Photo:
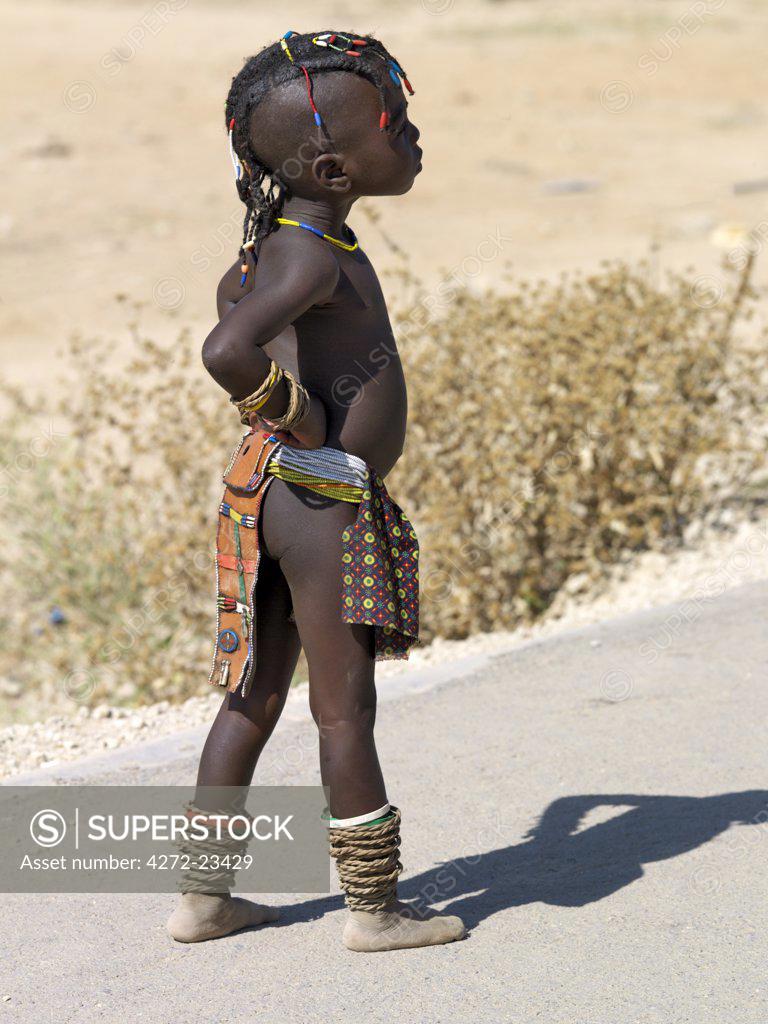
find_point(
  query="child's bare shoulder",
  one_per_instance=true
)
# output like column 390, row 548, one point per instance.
column 285, row 262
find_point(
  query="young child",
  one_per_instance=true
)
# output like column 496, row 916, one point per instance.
column 312, row 551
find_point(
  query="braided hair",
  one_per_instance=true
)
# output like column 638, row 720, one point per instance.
column 261, row 188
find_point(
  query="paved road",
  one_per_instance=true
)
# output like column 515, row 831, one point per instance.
column 590, row 804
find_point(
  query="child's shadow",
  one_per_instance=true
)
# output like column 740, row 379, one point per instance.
column 558, row 865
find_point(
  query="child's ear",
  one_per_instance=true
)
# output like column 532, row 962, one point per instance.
column 328, row 171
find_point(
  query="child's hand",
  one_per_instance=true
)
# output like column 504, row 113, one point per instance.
column 310, row 432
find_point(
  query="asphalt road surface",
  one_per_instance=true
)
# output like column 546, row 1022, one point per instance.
column 592, row 806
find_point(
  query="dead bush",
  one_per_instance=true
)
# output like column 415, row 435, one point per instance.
column 552, row 428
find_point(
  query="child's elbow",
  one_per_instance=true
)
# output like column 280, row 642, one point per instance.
column 216, row 353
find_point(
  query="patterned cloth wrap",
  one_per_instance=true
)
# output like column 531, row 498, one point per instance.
column 380, row 552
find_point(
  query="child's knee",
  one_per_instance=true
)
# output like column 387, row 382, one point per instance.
column 259, row 709
column 342, row 719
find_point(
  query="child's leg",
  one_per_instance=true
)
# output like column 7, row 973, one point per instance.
column 244, row 724
column 342, row 692
column 238, row 735
column 304, row 533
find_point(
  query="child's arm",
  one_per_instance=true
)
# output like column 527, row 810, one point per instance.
column 232, row 351
column 229, row 292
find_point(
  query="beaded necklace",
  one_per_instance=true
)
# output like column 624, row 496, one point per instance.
column 346, row 246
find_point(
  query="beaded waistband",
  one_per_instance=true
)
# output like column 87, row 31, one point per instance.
column 325, row 470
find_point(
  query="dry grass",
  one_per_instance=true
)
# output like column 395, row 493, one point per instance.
column 122, row 531
column 551, row 430
column 556, row 427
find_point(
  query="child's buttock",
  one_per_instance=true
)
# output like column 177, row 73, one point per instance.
column 298, row 522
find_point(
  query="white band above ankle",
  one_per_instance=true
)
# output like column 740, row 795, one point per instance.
column 360, row 819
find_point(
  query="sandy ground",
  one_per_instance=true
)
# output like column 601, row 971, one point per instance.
column 118, row 184
column 117, row 180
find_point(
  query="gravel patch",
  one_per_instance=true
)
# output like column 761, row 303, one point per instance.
column 714, row 559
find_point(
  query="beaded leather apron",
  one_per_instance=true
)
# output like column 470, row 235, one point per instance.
column 379, row 567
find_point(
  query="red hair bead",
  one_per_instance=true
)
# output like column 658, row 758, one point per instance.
column 383, row 121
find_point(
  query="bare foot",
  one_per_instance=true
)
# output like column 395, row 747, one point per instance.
column 400, row 926
column 199, row 917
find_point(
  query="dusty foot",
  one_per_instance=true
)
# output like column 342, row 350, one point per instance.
column 400, row 927
column 198, row 917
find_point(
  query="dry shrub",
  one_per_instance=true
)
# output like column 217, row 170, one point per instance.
column 551, row 429
column 557, row 426
column 113, row 526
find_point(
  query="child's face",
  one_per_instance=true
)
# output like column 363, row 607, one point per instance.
column 379, row 163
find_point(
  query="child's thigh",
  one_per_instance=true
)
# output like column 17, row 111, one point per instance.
column 303, row 532
column 277, row 643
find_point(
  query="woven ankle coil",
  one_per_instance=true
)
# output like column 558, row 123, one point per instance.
column 209, row 865
column 367, row 860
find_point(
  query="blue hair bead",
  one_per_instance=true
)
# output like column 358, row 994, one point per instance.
column 243, row 279
column 393, row 76
column 318, row 122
